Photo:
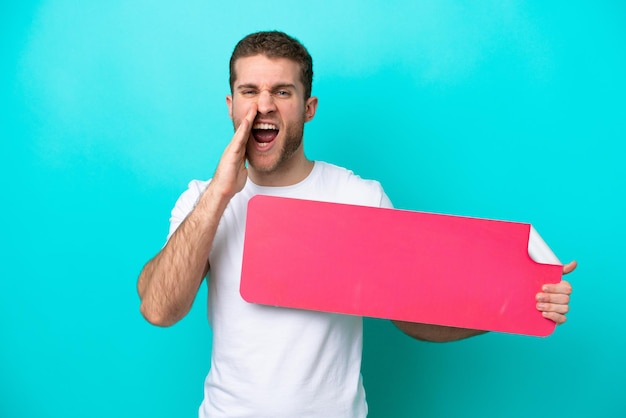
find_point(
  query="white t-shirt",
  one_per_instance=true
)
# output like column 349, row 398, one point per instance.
column 270, row 361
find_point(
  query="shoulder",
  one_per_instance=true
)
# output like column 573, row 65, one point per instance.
column 338, row 173
column 189, row 198
column 186, row 202
column 351, row 188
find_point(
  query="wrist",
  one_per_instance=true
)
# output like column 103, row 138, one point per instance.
column 214, row 199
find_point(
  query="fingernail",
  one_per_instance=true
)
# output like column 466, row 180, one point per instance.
column 541, row 306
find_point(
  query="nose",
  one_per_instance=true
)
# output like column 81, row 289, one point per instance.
column 265, row 103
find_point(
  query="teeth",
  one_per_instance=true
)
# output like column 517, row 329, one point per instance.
column 265, row 126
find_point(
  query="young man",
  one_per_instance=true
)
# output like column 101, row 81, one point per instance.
column 267, row 361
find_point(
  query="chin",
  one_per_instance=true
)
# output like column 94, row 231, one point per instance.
column 264, row 167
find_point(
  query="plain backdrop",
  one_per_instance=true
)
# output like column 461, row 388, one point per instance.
column 508, row 110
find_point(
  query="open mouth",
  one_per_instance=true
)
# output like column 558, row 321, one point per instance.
column 264, row 133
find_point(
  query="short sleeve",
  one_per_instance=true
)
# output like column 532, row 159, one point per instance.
column 385, row 202
column 185, row 204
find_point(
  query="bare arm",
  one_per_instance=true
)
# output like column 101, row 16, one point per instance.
column 435, row 333
column 168, row 283
column 553, row 303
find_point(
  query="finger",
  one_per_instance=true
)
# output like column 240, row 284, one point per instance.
column 563, row 287
column 558, row 318
column 240, row 139
column 570, row 267
column 553, row 307
column 553, row 298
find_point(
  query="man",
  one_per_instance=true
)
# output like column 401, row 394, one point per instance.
column 268, row 361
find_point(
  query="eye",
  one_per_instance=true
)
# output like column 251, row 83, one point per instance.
column 283, row 93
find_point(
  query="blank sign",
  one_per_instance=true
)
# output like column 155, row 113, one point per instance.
column 394, row 264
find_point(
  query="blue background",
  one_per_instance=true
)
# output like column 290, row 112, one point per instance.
column 499, row 109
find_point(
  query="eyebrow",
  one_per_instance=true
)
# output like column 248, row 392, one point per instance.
column 275, row 87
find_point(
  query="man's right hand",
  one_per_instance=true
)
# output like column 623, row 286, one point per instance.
column 231, row 174
column 169, row 282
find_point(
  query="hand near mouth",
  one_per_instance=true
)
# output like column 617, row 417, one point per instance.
column 231, row 174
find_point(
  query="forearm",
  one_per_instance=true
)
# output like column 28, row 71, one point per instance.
column 169, row 282
column 435, row 333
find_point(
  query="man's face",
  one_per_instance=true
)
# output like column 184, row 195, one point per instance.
column 274, row 85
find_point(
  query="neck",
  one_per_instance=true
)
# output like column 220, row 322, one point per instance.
column 290, row 172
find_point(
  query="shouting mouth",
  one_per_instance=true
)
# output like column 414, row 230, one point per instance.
column 264, row 134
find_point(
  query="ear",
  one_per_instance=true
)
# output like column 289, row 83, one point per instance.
column 310, row 108
column 229, row 103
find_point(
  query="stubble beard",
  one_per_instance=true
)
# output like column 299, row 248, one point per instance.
column 293, row 141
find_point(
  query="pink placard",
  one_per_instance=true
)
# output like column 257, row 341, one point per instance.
column 394, row 264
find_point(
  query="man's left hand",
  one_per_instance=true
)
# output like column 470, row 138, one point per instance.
column 553, row 301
